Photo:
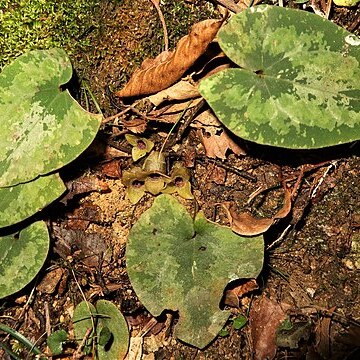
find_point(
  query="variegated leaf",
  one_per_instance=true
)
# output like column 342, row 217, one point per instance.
column 22, row 256
column 42, row 127
column 21, row 201
column 298, row 85
column 180, row 264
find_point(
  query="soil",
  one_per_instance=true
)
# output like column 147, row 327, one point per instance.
column 312, row 261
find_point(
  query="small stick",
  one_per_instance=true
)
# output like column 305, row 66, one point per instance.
column 156, row 3
column 234, row 170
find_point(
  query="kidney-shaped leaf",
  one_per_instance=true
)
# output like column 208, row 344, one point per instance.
column 42, row 127
column 21, row 257
column 298, row 85
column 177, row 263
column 21, row 201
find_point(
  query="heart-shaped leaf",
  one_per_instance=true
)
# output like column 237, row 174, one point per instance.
column 298, row 85
column 22, row 256
column 42, row 127
column 175, row 262
column 21, row 201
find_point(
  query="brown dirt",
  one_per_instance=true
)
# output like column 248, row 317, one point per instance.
column 312, row 260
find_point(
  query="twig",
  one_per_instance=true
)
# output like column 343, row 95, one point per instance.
column 77, row 353
column 174, row 126
column 279, row 239
column 47, row 319
column 233, row 169
column 332, row 165
column 156, row 3
column 354, row 25
column 189, row 115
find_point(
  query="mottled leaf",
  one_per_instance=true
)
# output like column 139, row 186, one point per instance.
column 175, row 262
column 23, row 200
column 298, row 85
column 21, row 257
column 112, row 319
column 42, row 127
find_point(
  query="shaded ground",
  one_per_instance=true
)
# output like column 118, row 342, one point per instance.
column 312, row 258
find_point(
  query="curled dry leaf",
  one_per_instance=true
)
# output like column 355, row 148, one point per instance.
column 231, row 296
column 247, row 225
column 157, row 74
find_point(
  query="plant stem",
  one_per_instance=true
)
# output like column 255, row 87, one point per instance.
column 26, row 342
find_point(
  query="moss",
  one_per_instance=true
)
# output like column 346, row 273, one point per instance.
column 42, row 24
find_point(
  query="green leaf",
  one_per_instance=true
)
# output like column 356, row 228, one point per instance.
column 56, row 340
column 42, row 127
column 175, row 262
column 224, row 333
column 104, row 336
column 346, row 2
column 239, row 322
column 116, row 346
column 84, row 318
column 21, row 257
column 21, row 201
column 298, row 85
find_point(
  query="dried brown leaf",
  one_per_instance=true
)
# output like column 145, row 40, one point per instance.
column 231, row 296
column 170, row 114
column 112, row 169
column 182, row 90
column 247, row 225
column 216, row 145
column 157, row 74
column 322, row 335
column 265, row 317
column 206, row 118
column 136, row 126
column 50, row 281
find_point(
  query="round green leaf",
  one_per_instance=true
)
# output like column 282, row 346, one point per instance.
column 111, row 318
column 42, row 127
column 298, row 85
column 21, row 257
column 21, row 201
column 177, row 263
